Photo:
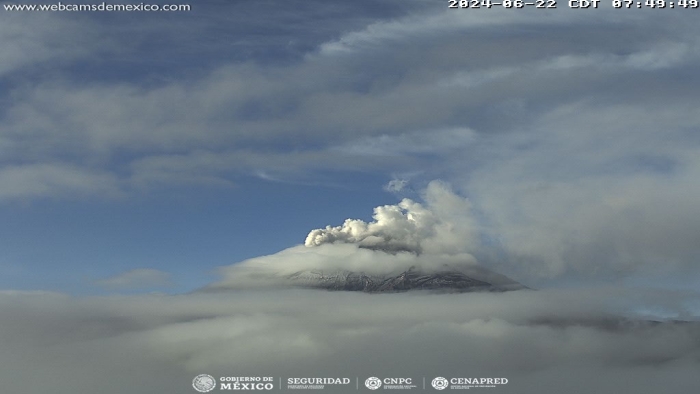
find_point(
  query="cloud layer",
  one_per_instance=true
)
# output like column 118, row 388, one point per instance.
column 546, row 341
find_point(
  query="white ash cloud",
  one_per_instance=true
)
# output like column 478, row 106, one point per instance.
column 442, row 225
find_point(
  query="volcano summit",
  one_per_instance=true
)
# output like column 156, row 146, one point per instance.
column 444, row 280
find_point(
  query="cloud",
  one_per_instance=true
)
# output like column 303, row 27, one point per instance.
column 433, row 142
column 426, row 23
column 55, row 179
column 396, row 185
column 140, row 278
column 544, row 341
column 599, row 191
column 38, row 41
column 408, row 89
column 442, row 226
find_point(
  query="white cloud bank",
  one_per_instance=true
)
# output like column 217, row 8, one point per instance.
column 544, row 342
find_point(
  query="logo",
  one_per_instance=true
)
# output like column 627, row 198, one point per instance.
column 373, row 383
column 204, row 383
column 405, row 383
column 440, row 383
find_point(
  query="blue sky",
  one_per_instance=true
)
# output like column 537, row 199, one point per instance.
column 182, row 142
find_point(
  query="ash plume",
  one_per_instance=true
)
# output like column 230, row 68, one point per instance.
column 442, row 225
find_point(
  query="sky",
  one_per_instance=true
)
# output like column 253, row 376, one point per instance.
column 145, row 156
column 185, row 141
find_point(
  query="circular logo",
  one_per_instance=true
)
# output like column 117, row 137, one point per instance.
column 204, row 383
column 373, row 383
column 440, row 383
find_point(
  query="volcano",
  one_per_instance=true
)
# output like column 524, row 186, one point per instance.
column 448, row 279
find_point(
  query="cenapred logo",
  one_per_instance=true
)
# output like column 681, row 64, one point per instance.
column 373, row 383
column 204, row 383
column 440, row 383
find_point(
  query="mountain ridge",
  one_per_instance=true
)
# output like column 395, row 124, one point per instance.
column 445, row 280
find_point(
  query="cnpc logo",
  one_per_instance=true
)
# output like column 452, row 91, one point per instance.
column 374, row 382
